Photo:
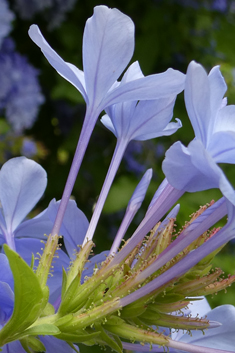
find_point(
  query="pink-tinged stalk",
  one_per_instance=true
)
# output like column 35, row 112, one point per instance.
column 87, row 128
column 185, row 347
column 189, row 261
column 114, row 165
column 200, row 225
column 164, row 202
column 132, row 207
column 190, row 348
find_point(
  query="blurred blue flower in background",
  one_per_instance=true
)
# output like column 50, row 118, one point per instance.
column 53, row 10
column 6, row 17
column 20, row 93
column 29, row 148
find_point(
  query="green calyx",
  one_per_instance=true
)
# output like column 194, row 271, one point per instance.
column 90, row 312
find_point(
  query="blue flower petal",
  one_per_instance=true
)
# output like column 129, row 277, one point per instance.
column 36, row 227
column 74, row 224
column 193, row 169
column 108, row 45
column 221, row 337
column 22, row 183
column 218, row 88
column 13, row 347
column 197, row 100
column 53, row 344
column 26, row 247
column 68, row 71
column 168, row 83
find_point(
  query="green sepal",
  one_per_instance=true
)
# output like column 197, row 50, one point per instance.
column 62, row 321
column 73, row 347
column 169, row 298
column 43, row 329
column 70, row 293
column 48, row 310
column 79, row 337
column 32, row 261
column 28, row 297
column 133, row 310
column 64, row 283
column 114, row 320
column 109, row 340
column 32, row 345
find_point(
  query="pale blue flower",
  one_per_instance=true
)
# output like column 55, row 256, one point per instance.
column 22, row 184
column 143, row 119
column 196, row 167
column 108, row 45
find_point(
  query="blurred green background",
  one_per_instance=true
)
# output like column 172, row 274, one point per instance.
column 168, row 34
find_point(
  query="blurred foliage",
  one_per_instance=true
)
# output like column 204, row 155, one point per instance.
column 168, row 34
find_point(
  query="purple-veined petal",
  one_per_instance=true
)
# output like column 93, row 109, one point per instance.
column 210, row 171
column 6, row 302
column 120, row 118
column 171, row 128
column 133, row 72
column 168, row 83
column 54, row 281
column 37, row 227
column 107, row 122
column 141, row 121
column 218, row 88
column 221, row 337
column 150, row 118
column 5, row 273
column 108, row 45
column 225, row 120
column 53, row 344
column 26, row 247
column 179, row 170
column 193, row 169
column 22, row 183
column 222, row 147
column 13, row 347
column 197, row 308
column 68, row 71
column 93, row 262
column 74, row 225
column 197, row 100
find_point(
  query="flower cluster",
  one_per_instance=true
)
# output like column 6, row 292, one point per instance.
column 149, row 293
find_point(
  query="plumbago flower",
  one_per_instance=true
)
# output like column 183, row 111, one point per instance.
column 22, row 183
column 108, row 45
column 214, row 127
column 137, row 296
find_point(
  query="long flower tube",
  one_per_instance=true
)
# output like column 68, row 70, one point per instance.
column 140, row 120
column 217, row 240
column 108, row 45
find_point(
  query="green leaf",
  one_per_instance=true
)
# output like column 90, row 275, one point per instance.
column 28, row 297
